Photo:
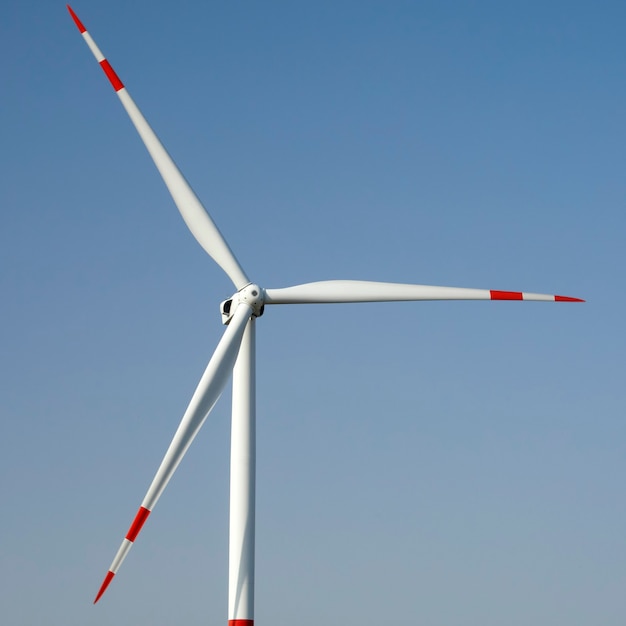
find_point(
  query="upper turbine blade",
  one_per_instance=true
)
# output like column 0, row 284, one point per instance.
column 334, row 291
column 195, row 215
column 204, row 398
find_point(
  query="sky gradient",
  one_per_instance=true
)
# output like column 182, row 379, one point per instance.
column 433, row 463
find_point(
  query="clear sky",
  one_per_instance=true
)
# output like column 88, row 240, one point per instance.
column 423, row 463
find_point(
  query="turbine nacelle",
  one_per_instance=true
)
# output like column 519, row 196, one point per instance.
column 251, row 294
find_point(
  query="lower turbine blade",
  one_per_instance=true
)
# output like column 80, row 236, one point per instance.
column 204, row 398
column 336, row 291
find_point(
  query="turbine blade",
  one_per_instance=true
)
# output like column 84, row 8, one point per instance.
column 204, row 398
column 195, row 215
column 335, row 291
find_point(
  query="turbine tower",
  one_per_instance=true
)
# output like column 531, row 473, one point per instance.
column 235, row 353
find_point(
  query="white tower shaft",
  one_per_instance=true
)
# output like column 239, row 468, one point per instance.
column 242, row 484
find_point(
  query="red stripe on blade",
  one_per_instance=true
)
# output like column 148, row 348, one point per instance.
column 78, row 23
column 566, row 299
column 107, row 579
column 138, row 522
column 506, row 295
column 111, row 75
column 240, row 622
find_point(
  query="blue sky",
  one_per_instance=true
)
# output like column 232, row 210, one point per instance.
column 438, row 463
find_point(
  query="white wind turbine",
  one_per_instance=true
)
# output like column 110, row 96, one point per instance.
column 235, row 353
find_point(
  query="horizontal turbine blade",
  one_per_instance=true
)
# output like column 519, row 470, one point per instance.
column 204, row 398
column 195, row 215
column 336, row 291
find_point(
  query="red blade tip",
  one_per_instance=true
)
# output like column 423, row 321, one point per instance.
column 78, row 23
column 567, row 299
column 107, row 579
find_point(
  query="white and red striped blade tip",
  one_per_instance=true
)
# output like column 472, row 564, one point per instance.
column 131, row 535
column 520, row 295
column 114, row 79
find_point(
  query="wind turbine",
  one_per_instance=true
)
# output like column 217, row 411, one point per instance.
column 235, row 353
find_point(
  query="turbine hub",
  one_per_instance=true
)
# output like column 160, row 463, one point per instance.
column 251, row 294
